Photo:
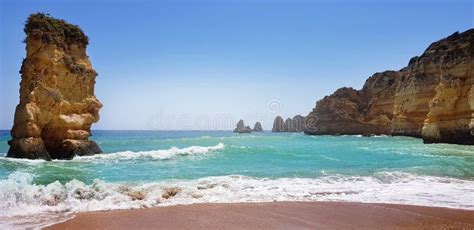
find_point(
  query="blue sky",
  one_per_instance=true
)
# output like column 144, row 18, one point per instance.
column 206, row 64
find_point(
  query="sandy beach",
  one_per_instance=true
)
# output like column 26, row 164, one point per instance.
column 276, row 215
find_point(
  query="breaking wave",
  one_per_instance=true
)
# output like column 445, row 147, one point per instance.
column 19, row 196
column 129, row 155
column 154, row 154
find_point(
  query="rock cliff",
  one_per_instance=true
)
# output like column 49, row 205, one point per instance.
column 350, row 111
column 57, row 104
column 431, row 98
column 451, row 107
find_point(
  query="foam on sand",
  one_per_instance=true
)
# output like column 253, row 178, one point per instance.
column 19, row 196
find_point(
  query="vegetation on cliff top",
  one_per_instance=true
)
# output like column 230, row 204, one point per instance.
column 53, row 30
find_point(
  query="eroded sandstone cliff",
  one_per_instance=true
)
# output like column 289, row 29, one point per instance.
column 431, row 98
column 57, row 103
column 451, row 111
column 350, row 111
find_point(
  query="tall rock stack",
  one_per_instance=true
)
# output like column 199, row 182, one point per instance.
column 278, row 124
column 298, row 123
column 257, row 127
column 288, row 125
column 242, row 128
column 432, row 98
column 57, row 104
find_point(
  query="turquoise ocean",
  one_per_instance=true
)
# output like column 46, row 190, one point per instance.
column 137, row 167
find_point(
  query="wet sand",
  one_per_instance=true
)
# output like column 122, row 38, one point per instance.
column 276, row 215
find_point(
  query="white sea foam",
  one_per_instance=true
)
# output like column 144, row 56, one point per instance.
column 23, row 161
column 20, row 197
column 161, row 154
column 154, row 154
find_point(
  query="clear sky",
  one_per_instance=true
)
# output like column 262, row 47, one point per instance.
column 206, row 64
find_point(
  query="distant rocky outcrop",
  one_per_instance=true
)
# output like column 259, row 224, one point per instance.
column 432, row 98
column 257, row 127
column 278, row 124
column 289, row 125
column 57, row 104
column 242, row 128
column 298, row 123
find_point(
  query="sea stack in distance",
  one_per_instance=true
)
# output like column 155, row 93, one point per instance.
column 289, row 125
column 57, row 104
column 298, row 123
column 242, row 128
column 257, row 127
column 431, row 98
column 278, row 124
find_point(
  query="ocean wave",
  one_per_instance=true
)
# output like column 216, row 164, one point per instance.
column 19, row 196
column 161, row 154
column 154, row 154
column 31, row 162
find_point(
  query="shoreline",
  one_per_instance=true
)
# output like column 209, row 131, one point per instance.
column 275, row 215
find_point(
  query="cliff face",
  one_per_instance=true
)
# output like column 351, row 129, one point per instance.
column 57, row 103
column 451, row 111
column 432, row 101
column 444, row 59
column 350, row 111
column 431, row 98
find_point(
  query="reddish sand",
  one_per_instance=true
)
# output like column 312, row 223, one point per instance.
column 277, row 215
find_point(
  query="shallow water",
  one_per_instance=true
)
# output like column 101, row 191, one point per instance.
column 218, row 166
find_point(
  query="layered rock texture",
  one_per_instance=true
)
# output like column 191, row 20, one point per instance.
column 57, row 103
column 350, row 111
column 289, row 125
column 432, row 98
column 451, row 110
column 242, row 128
